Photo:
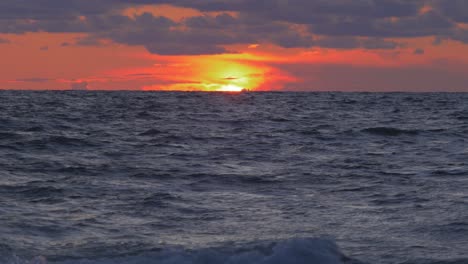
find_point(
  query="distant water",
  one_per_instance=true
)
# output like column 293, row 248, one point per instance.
column 135, row 177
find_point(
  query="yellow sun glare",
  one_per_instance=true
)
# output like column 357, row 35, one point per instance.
column 230, row 88
column 211, row 74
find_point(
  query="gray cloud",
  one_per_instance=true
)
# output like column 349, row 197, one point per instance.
column 460, row 35
column 54, row 9
column 303, row 11
column 418, row 51
column 427, row 24
column 208, row 35
column 454, row 9
column 344, row 24
column 316, row 11
column 355, row 42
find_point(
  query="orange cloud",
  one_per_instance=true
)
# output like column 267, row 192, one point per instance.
column 172, row 12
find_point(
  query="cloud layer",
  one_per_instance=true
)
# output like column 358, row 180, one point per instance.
column 339, row 24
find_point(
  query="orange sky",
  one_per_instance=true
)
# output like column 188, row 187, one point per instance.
column 51, row 61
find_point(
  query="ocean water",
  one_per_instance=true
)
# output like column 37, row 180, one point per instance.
column 140, row 177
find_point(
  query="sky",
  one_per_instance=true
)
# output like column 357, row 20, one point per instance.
column 230, row 45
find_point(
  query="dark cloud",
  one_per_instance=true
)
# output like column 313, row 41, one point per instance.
column 344, row 24
column 303, row 11
column 419, row 51
column 356, row 42
column 54, row 9
column 177, row 48
column 316, row 11
column 454, row 9
column 209, row 35
column 4, row 41
column 426, row 24
column 460, row 35
column 158, row 36
column 378, row 43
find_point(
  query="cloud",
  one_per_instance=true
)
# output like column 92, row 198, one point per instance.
column 343, row 24
column 54, row 9
column 418, row 51
column 303, row 11
column 427, row 24
column 461, row 35
column 356, row 42
column 316, row 11
column 454, row 9
column 4, row 41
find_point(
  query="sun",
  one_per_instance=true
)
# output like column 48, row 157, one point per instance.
column 234, row 79
column 230, row 88
column 232, row 76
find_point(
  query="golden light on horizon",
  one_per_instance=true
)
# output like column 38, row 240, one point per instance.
column 210, row 73
column 230, row 88
column 229, row 76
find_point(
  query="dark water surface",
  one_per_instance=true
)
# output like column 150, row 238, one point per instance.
column 134, row 177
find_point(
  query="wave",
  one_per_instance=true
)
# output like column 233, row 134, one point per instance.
column 293, row 251
column 32, row 191
column 151, row 132
column 8, row 135
column 389, row 131
column 53, row 141
column 158, row 200
column 35, row 129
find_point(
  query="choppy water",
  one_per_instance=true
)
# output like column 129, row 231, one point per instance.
column 133, row 177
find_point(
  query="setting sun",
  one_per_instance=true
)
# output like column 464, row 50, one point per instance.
column 230, row 88
column 232, row 76
column 212, row 74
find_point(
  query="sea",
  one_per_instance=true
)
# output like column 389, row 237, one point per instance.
column 237, row 178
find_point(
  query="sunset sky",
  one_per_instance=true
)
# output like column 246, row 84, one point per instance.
column 227, row 45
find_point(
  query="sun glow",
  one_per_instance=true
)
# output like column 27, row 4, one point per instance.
column 230, row 88
column 235, row 77
column 212, row 73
